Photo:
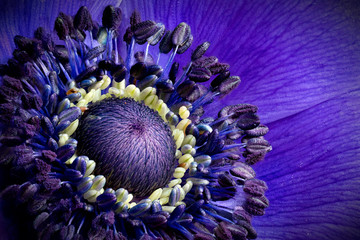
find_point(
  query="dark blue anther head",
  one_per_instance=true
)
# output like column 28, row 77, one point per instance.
column 131, row 144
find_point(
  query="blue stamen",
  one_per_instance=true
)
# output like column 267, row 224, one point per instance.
column 45, row 71
column 158, row 58
column 218, row 216
column 227, row 147
column 204, row 100
column 116, row 51
column 65, row 73
column 109, row 44
column 146, row 52
column 77, row 58
column 183, row 76
column 170, row 61
column 51, row 58
column 80, row 226
column 129, row 56
column 91, row 39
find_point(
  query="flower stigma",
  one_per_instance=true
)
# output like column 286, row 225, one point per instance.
column 103, row 147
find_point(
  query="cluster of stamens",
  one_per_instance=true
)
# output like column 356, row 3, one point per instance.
column 93, row 186
column 51, row 92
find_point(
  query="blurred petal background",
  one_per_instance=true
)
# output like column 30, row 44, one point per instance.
column 299, row 63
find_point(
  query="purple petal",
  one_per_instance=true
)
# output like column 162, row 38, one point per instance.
column 313, row 173
column 290, row 55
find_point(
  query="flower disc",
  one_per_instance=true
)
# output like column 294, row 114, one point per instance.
column 131, row 144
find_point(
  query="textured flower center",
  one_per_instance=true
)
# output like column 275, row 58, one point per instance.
column 132, row 146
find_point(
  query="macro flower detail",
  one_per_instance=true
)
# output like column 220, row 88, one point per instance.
column 97, row 146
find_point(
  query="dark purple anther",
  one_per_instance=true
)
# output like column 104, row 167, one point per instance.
column 111, row 18
column 198, row 91
column 214, row 143
column 106, row 64
column 248, row 121
column 61, row 28
column 27, row 191
column 40, row 219
column 251, row 233
column 225, row 180
column 90, row 71
column 45, row 38
column 173, row 71
column 94, row 52
column 128, row 35
column 202, row 139
column 229, row 84
column 144, row 30
column 255, row 187
column 118, row 72
column 164, row 89
column 243, row 171
column 260, row 130
column 256, row 205
column 205, row 61
column 52, row 144
column 132, row 146
column 219, row 67
column 226, row 231
column 240, row 214
column 31, row 101
column 234, row 111
column 193, row 130
column 186, row 88
column 155, row 220
column 83, row 20
column 156, row 37
column 199, row 74
column 21, row 56
column 72, row 175
column 30, row 46
column 48, row 155
column 156, row 206
column 138, row 70
column 135, row 18
column 181, row 34
column 155, row 70
column 258, row 145
column 166, row 45
column 165, row 86
column 200, row 51
column 147, row 81
column 12, row 83
column 61, row 53
column 186, row 45
column 8, row 94
column 253, row 158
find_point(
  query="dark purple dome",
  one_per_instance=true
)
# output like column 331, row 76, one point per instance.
column 131, row 144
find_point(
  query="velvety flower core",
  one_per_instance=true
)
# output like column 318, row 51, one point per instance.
column 133, row 147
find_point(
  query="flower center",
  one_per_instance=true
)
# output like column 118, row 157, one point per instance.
column 131, row 144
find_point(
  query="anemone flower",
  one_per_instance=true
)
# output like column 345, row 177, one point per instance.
column 60, row 117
